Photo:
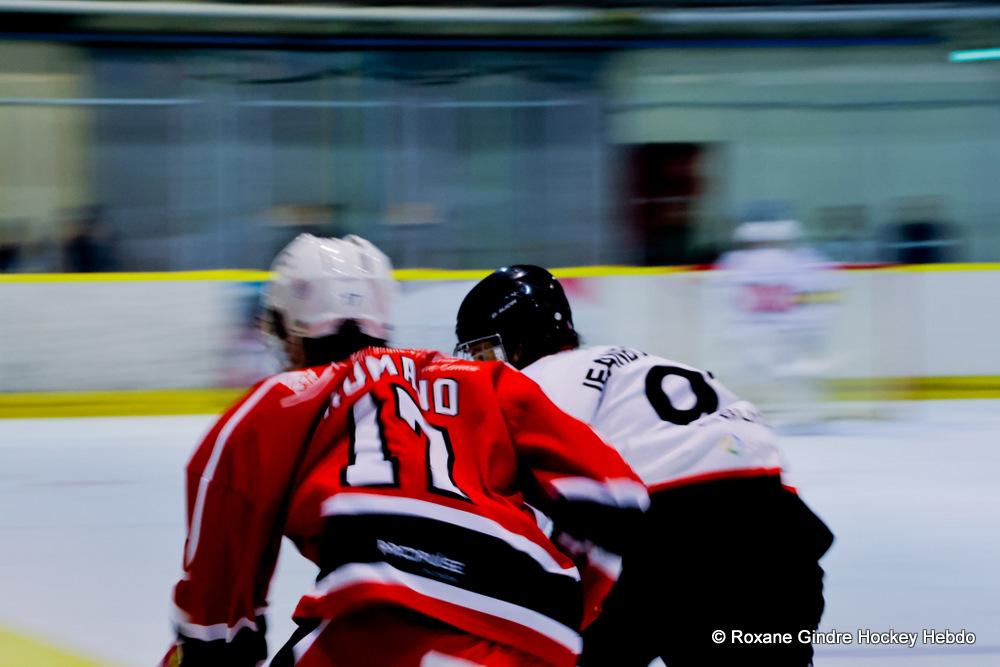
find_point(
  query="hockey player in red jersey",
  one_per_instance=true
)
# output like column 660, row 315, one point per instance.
column 725, row 546
column 410, row 479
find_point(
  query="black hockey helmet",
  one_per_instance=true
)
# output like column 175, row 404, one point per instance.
column 518, row 314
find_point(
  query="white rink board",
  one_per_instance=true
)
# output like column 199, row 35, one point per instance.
column 114, row 335
column 58, row 336
column 91, row 522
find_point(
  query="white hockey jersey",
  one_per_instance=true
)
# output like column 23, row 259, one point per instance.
column 779, row 288
column 674, row 424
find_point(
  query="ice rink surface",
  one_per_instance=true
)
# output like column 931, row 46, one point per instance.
column 92, row 527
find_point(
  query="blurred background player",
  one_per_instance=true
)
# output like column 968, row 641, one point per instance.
column 780, row 300
column 405, row 477
column 724, row 545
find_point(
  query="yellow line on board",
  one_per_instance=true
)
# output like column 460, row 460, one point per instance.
column 928, row 268
column 251, row 275
column 916, row 388
column 565, row 272
column 404, row 275
column 598, row 271
column 247, row 275
column 139, row 402
column 19, row 651
column 153, row 402
column 221, row 275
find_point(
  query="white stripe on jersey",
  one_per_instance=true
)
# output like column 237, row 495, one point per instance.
column 306, row 642
column 367, row 503
column 614, row 492
column 610, row 564
column 208, row 633
column 208, row 473
column 605, row 561
column 363, row 573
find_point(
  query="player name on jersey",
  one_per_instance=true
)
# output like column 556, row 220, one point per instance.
column 444, row 391
column 598, row 374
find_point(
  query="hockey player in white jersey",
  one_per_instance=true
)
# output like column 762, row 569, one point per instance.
column 726, row 546
column 781, row 300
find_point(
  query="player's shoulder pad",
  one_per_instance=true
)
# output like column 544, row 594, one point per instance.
column 612, row 356
column 663, row 361
column 298, row 381
column 421, row 356
column 464, row 366
column 290, row 387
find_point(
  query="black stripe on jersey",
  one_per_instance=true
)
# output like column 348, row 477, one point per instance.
column 610, row 528
column 454, row 555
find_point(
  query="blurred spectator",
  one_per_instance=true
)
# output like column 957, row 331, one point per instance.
column 12, row 234
column 10, row 250
column 921, row 235
column 88, row 247
column 780, row 301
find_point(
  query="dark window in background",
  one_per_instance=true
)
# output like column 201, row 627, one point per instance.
column 664, row 184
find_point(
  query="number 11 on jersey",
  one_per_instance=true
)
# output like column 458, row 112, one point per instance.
column 370, row 461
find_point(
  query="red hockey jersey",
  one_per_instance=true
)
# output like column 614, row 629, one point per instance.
column 409, row 479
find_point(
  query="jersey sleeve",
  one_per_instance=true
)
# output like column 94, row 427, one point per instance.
column 233, row 536
column 583, row 484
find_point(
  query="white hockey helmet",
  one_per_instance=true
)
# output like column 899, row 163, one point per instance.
column 319, row 283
